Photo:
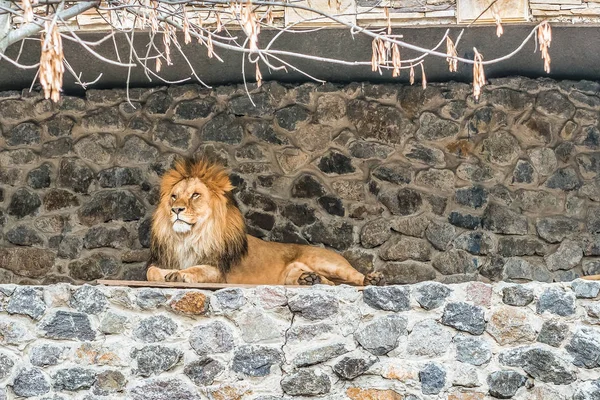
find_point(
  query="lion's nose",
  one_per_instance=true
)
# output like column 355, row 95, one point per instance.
column 177, row 210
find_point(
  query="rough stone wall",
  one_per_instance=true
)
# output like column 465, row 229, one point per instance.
column 469, row 341
column 419, row 184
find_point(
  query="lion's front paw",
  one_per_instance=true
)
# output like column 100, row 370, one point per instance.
column 309, row 278
column 375, row 279
column 179, row 276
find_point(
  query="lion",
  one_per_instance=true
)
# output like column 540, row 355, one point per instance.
column 198, row 235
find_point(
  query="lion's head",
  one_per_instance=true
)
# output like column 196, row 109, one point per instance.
column 197, row 210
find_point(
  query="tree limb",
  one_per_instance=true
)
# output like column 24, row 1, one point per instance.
column 34, row 27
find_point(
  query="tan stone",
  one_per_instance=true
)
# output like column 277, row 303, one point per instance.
column 230, row 393
column 372, row 394
column 90, row 354
column 400, row 373
column 313, row 137
column 193, row 303
column 509, row 325
column 351, row 190
column 290, row 160
column 466, row 396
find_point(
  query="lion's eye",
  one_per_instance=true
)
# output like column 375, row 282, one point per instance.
column 195, row 195
column 173, row 197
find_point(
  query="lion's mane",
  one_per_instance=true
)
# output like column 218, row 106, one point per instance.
column 219, row 241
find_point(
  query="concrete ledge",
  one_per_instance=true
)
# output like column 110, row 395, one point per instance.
column 422, row 341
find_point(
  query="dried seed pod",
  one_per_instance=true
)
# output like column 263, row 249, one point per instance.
column 452, row 54
column 423, row 77
column 499, row 28
column 396, row 60
column 544, row 39
column 258, row 76
column 478, row 74
column 51, row 62
column 186, row 28
column 412, row 75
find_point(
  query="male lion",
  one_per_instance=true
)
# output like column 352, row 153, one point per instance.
column 199, row 236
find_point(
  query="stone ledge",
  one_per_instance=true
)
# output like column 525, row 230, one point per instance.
column 460, row 341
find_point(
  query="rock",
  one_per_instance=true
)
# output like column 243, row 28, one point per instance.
column 555, row 104
column 306, row 382
column 501, row 219
column 510, row 325
column 564, row 179
column 101, row 236
column 26, row 261
column 258, row 200
column 432, row 295
column 307, row 186
column 120, row 176
column 556, row 301
column 593, row 220
column 108, row 382
column 553, row 333
column 589, row 390
column 230, row 299
column 466, row 221
column 353, row 365
column 523, row 172
column 319, row 354
column 97, row 148
column 94, row 267
column 464, row 317
column 113, row 323
column 58, row 199
column 429, row 338
column 401, row 248
column 433, row 378
column 475, row 172
column 46, row 354
column 584, row 347
column 314, row 306
column 155, row 329
column 568, row 255
column 6, row 366
column 360, row 260
column 158, row 389
column 407, row 272
column 23, row 203
column 255, row 105
column 478, row 242
column 263, row 130
column 27, row 301
column 9, row 158
column 375, row 233
column 501, row 148
column 111, row 205
column 394, row 173
column 585, row 289
column 425, row 154
column 75, row 174
column 379, row 122
column 203, row 371
column 255, row 360
column 288, row 118
column 365, row 150
column 441, row 179
column 23, row 235
column 431, row 127
column 388, row 298
column 504, row 384
column 338, row 235
column 39, row 178
column 330, row 109
column 472, row 350
column 510, row 246
column 440, row 234
column 67, row 325
column 30, row 382
column 173, row 135
column 455, row 262
column 332, row 205
column 158, row 103
column 60, row 126
column 214, row 337
column 402, row 202
column 155, row 359
column 314, row 137
column 74, row 379
column 25, row 134
column 555, row 229
column 474, row 196
column 89, row 300
column 70, row 247
column 194, row 109
column 539, row 363
column 355, row 393
column 223, row 128
column 517, row 295
column 135, row 150
column 382, row 335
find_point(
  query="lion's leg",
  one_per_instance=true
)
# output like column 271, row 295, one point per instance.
column 340, row 271
column 196, row 274
column 591, row 277
column 298, row 273
column 155, row 274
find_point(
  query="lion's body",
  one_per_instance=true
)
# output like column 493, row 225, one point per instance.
column 198, row 235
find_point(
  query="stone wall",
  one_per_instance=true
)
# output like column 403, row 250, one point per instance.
column 419, row 184
column 423, row 341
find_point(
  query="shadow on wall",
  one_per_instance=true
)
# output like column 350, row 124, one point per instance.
column 418, row 184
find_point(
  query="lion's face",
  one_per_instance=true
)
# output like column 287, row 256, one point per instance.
column 189, row 205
